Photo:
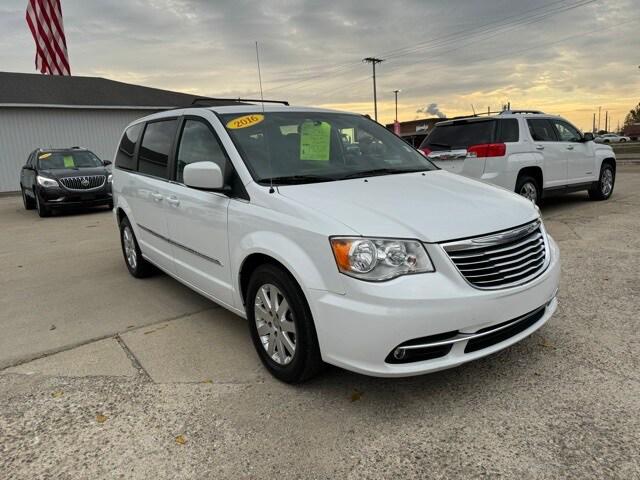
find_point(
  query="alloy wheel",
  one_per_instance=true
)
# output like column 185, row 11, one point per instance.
column 275, row 324
column 530, row 191
column 129, row 248
column 606, row 182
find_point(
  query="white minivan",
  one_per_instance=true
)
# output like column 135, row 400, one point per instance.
column 336, row 240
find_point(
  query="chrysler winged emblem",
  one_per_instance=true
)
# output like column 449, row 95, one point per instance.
column 84, row 182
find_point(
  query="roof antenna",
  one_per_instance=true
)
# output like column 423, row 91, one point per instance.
column 271, row 189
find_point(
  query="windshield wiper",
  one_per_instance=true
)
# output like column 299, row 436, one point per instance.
column 436, row 144
column 296, row 179
column 381, row 171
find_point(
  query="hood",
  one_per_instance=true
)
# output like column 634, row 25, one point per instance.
column 433, row 207
column 70, row 172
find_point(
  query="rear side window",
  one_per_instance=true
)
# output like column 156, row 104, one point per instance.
column 156, row 147
column 461, row 135
column 127, row 147
column 541, row 130
column 508, row 131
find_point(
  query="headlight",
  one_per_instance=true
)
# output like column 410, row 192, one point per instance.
column 109, row 178
column 378, row 259
column 46, row 182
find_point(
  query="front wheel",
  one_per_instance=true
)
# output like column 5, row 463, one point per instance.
column 43, row 210
column 26, row 201
column 528, row 188
column 622, row 140
column 281, row 325
column 604, row 188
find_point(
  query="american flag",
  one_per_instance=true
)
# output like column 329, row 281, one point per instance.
column 45, row 22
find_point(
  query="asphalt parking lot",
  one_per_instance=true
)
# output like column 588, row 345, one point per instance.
column 106, row 376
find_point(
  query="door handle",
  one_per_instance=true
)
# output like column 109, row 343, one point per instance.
column 157, row 197
column 173, row 200
column 540, row 147
column 570, row 147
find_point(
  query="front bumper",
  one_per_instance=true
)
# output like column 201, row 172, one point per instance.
column 61, row 197
column 359, row 330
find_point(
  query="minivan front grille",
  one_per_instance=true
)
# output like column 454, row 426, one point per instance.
column 89, row 182
column 501, row 260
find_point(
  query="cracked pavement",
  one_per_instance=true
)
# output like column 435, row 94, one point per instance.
column 106, row 376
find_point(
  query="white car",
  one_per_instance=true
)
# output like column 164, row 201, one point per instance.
column 611, row 138
column 528, row 152
column 337, row 241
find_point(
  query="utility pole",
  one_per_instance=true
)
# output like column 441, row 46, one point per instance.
column 396, row 94
column 606, row 120
column 594, row 123
column 373, row 61
column 599, row 109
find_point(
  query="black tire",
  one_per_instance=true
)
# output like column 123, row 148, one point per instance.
column 43, row 210
column 28, row 202
column 305, row 362
column 110, row 205
column 528, row 187
column 606, row 182
column 622, row 140
column 606, row 141
column 138, row 267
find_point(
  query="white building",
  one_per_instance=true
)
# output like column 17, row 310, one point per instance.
column 61, row 111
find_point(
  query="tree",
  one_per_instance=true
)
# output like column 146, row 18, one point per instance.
column 633, row 116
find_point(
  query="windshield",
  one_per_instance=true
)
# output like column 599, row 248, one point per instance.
column 306, row 147
column 69, row 159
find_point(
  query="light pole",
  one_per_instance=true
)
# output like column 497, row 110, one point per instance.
column 396, row 94
column 373, row 61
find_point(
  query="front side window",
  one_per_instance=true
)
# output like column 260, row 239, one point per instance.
column 73, row 159
column 156, row 148
column 199, row 144
column 541, row 130
column 567, row 132
column 305, row 147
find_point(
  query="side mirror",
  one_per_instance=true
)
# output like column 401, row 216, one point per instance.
column 587, row 137
column 203, row 176
column 106, row 162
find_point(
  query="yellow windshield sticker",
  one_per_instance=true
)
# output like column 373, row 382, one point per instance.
column 68, row 161
column 315, row 141
column 44, row 155
column 245, row 121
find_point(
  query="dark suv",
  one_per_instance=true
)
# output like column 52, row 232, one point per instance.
column 65, row 177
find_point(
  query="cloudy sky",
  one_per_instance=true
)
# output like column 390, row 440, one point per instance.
column 561, row 56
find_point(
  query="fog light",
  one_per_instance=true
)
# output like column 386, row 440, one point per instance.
column 399, row 353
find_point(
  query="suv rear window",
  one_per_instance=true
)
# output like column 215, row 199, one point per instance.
column 464, row 133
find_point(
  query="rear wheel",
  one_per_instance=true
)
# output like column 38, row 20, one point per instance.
column 528, row 187
column 281, row 325
column 138, row 266
column 43, row 210
column 27, row 201
column 604, row 188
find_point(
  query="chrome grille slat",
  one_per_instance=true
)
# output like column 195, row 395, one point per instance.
column 539, row 250
column 83, row 182
column 501, row 260
column 536, row 247
column 497, row 250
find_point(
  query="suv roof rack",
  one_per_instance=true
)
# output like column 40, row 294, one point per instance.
column 508, row 112
column 216, row 101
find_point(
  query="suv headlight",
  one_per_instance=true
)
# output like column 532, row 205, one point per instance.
column 378, row 259
column 46, row 182
column 109, row 178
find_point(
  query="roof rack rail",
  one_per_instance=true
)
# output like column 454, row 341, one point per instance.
column 198, row 101
column 508, row 112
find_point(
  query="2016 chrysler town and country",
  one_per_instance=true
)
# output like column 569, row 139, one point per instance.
column 335, row 239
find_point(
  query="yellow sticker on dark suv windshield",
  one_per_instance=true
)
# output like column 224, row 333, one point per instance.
column 245, row 121
column 44, row 155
